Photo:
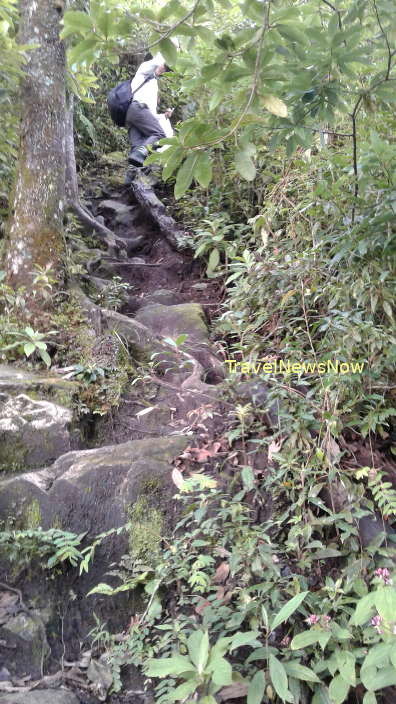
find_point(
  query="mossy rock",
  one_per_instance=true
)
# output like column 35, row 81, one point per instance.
column 33, row 433
column 25, row 634
column 46, row 386
column 174, row 320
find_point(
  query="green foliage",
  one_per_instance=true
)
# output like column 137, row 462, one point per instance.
column 28, row 342
column 12, row 59
column 54, row 545
column 237, row 617
column 89, row 373
column 384, row 495
column 114, row 294
column 282, row 70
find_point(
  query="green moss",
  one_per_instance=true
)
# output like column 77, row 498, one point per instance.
column 145, row 532
column 12, row 457
column 32, row 516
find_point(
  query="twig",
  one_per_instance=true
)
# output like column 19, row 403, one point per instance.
column 390, row 53
column 326, row 2
column 354, row 157
column 171, row 29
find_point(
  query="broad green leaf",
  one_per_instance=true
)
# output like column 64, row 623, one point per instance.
column 220, row 647
column 303, row 640
column 300, row 672
column 78, row 21
column 168, row 49
column 213, row 262
column 340, row 633
column 321, row 696
column 363, row 610
column 346, row 662
column 174, row 159
column 222, row 671
column 185, row 174
column 198, row 649
column 248, row 638
column 247, row 477
column 203, row 169
column 385, row 602
column 245, row 166
column 274, row 105
column 168, row 666
column 374, row 679
column 256, row 688
column 288, row 609
column 379, row 655
column 291, row 32
column 171, row 8
column 183, row 691
column 338, row 690
column 369, row 698
column 279, row 679
column 79, row 52
column 45, row 357
column 211, row 70
column 28, row 348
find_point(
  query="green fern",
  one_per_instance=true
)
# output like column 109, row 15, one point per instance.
column 383, row 493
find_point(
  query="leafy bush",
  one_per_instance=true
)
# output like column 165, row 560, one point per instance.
column 255, row 608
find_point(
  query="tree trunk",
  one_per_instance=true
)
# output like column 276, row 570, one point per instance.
column 35, row 233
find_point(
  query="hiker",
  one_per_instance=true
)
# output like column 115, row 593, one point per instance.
column 142, row 120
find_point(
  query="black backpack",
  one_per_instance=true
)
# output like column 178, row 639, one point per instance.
column 120, row 98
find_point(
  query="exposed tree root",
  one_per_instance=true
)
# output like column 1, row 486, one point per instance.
column 115, row 244
column 152, row 206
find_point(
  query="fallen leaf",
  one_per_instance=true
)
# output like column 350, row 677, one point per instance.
column 228, row 596
column 202, row 606
column 273, row 449
column 234, row 691
column 331, row 448
column 220, row 593
column 177, row 478
column 222, row 552
column 222, row 573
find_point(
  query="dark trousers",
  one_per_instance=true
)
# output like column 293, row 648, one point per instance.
column 143, row 127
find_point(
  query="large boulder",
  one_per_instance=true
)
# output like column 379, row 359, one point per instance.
column 33, row 433
column 98, row 488
column 47, row 386
column 172, row 321
column 88, row 492
column 183, row 318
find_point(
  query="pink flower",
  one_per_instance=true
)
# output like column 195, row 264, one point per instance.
column 376, row 622
column 384, row 574
column 313, row 618
column 326, row 620
column 285, row 642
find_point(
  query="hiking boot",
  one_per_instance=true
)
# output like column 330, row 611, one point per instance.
column 137, row 155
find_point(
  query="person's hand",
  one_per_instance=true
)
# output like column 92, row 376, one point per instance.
column 168, row 113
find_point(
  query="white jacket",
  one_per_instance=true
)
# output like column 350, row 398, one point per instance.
column 149, row 92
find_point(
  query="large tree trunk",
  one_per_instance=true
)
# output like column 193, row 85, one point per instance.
column 35, row 233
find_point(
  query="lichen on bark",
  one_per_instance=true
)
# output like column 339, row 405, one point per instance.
column 35, row 231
